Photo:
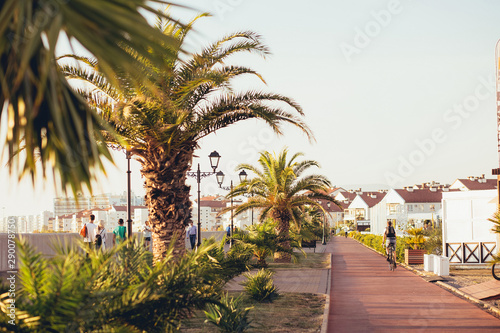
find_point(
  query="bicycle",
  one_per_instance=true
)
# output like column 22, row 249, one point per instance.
column 390, row 253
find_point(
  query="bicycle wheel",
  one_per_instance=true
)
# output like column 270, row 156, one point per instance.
column 391, row 258
column 495, row 271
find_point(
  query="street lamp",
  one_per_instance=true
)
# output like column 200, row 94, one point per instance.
column 128, row 155
column 129, row 207
column 323, row 241
column 214, row 162
column 220, row 179
column 243, row 177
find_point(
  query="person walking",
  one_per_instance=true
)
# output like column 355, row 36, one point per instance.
column 228, row 233
column 147, row 236
column 191, row 234
column 120, row 233
column 100, row 237
column 90, row 234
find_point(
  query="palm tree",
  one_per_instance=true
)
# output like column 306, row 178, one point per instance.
column 281, row 192
column 46, row 118
column 162, row 130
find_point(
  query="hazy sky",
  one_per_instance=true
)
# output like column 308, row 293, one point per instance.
column 396, row 92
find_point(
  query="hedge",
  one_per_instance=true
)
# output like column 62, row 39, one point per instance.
column 375, row 242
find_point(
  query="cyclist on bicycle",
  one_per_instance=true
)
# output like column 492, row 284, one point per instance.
column 390, row 239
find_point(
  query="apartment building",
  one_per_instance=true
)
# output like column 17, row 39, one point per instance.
column 72, row 205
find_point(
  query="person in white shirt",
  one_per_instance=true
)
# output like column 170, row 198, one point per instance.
column 91, row 231
column 147, row 236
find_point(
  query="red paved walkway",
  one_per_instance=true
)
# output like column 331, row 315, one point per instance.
column 361, row 302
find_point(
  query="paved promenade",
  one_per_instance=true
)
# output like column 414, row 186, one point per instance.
column 366, row 297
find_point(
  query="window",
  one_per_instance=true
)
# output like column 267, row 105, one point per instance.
column 432, row 208
column 410, row 208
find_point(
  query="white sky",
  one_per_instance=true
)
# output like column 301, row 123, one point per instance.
column 378, row 81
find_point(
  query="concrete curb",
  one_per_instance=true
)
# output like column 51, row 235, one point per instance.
column 483, row 305
column 326, row 312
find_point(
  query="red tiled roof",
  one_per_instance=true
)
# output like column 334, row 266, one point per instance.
column 349, row 195
column 372, row 198
column 421, row 195
column 475, row 185
column 209, row 198
column 213, row 203
column 124, row 208
column 333, row 207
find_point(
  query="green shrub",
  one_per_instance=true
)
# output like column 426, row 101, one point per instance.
column 229, row 315
column 433, row 241
column 232, row 263
column 112, row 291
column 260, row 286
column 376, row 243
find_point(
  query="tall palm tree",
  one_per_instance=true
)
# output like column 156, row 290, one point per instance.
column 281, row 191
column 45, row 117
column 162, row 130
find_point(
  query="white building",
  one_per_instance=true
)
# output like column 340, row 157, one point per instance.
column 467, row 235
column 364, row 210
column 70, row 205
column 414, row 206
column 210, row 208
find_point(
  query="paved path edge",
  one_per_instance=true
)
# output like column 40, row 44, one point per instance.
column 471, row 299
column 326, row 312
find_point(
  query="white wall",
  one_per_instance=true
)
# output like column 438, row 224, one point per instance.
column 466, row 214
column 379, row 217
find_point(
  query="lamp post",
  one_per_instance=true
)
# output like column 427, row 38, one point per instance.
column 323, row 241
column 220, row 180
column 129, row 207
column 243, row 177
column 214, row 163
column 128, row 155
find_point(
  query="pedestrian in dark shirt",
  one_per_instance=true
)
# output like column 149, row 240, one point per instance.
column 192, row 234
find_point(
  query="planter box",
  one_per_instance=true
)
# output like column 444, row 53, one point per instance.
column 414, row 257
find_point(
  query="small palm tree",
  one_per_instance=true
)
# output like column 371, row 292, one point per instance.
column 495, row 219
column 48, row 120
column 281, row 192
column 416, row 238
column 162, row 130
column 263, row 240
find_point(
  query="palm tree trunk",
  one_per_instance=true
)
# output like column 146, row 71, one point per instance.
column 283, row 230
column 167, row 197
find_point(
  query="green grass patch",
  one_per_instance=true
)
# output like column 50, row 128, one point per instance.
column 310, row 261
column 290, row 312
